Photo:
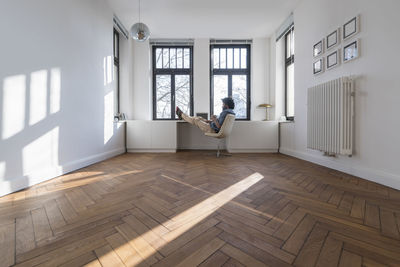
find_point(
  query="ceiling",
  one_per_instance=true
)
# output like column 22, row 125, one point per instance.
column 231, row 19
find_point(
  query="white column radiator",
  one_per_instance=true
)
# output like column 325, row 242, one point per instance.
column 330, row 116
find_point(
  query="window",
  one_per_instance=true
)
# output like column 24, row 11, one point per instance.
column 116, row 71
column 289, row 74
column 230, row 76
column 172, row 81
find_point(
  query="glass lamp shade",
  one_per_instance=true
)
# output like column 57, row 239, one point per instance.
column 140, row 32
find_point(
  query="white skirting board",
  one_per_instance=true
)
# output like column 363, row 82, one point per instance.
column 151, row 150
column 373, row 175
column 253, row 151
column 19, row 183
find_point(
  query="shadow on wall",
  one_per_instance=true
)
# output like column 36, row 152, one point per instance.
column 37, row 125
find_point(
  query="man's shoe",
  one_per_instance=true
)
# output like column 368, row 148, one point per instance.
column 179, row 112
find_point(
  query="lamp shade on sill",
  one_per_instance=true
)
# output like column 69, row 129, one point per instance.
column 265, row 106
column 140, row 32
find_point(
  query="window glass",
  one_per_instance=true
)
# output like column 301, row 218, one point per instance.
column 172, row 58
column 163, row 96
column 236, row 58
column 239, row 95
column 179, row 58
column 222, row 52
column 186, row 61
column 166, row 58
column 220, row 91
column 216, row 58
column 290, row 90
column 182, row 93
column 229, row 58
column 243, row 58
column 158, row 58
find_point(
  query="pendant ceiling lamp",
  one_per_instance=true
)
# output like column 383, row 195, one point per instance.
column 139, row 31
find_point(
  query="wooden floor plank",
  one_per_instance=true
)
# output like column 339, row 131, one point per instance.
column 330, row 253
column 54, row 215
column 216, row 259
column 126, row 252
column 41, row 225
column 389, row 225
column 202, row 253
column 260, row 255
column 25, row 237
column 7, row 245
column 372, row 215
column 310, row 251
column 145, row 250
column 240, row 256
column 298, row 237
column 349, row 259
column 108, row 257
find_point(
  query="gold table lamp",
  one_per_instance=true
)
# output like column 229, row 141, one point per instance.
column 266, row 106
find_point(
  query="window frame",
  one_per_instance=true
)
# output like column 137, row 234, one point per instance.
column 288, row 61
column 172, row 72
column 116, row 64
column 231, row 72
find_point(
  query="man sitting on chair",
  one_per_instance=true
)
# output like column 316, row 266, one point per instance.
column 213, row 125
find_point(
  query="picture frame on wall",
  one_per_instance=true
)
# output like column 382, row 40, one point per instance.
column 318, row 66
column 333, row 39
column 318, row 48
column 351, row 28
column 333, row 59
column 351, row 51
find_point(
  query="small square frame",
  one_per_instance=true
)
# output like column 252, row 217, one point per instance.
column 318, row 66
column 351, row 51
column 318, row 48
column 351, row 28
column 333, row 39
column 333, row 59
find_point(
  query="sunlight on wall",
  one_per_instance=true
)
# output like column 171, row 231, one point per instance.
column 186, row 220
column 41, row 153
column 108, row 69
column 108, row 116
column 38, row 96
column 14, row 90
column 55, row 90
column 2, row 170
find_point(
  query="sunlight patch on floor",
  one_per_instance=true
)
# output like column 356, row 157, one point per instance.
column 186, row 220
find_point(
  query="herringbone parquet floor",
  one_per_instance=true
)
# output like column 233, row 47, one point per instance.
column 189, row 209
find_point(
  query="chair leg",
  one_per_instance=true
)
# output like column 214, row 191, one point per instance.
column 219, row 150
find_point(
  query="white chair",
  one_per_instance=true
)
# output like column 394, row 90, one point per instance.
column 224, row 132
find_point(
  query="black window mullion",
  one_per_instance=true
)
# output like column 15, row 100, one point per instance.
column 229, row 85
column 172, row 96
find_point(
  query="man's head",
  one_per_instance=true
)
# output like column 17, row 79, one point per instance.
column 228, row 102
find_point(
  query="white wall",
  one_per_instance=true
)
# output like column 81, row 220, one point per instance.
column 56, row 99
column 142, row 75
column 125, row 75
column 277, row 81
column 377, row 91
